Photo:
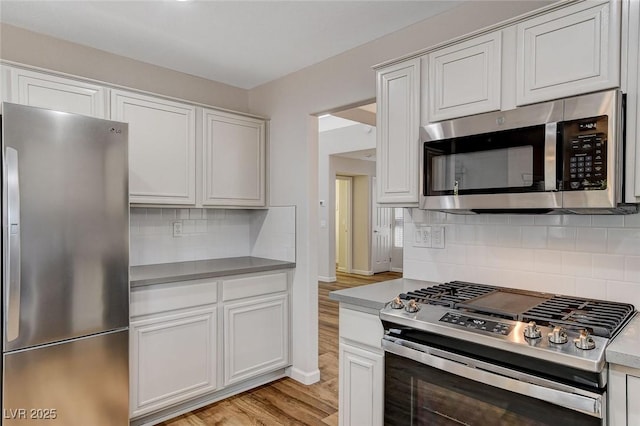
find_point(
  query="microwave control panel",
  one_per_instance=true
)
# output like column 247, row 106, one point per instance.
column 585, row 154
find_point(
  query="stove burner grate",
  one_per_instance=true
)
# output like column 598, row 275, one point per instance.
column 448, row 294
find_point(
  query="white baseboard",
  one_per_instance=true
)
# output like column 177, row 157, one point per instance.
column 396, row 269
column 359, row 272
column 306, row 378
column 326, row 279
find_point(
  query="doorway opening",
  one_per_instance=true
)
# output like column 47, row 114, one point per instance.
column 355, row 235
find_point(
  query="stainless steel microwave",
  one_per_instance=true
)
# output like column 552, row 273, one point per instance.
column 564, row 156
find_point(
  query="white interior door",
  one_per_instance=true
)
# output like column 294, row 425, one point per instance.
column 343, row 223
column 381, row 242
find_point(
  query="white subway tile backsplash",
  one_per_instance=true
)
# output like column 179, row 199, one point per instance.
column 548, row 261
column 577, row 264
column 632, row 269
column 608, row 221
column 534, row 237
column 561, row 238
column 589, row 256
column 593, row 240
column 623, row 241
column 591, row 288
column 576, row 220
column 548, row 220
column 209, row 234
column 608, row 267
column 523, row 219
column 632, row 221
column 625, row 292
column 509, row 236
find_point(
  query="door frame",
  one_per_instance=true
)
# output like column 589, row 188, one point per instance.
column 349, row 213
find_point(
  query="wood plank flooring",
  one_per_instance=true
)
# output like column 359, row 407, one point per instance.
column 285, row 401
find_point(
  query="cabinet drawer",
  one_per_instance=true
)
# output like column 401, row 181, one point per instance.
column 178, row 295
column 361, row 327
column 240, row 288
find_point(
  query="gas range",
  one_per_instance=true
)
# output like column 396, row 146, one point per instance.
column 562, row 330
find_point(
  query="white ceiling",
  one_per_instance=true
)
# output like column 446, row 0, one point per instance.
column 241, row 43
column 364, row 154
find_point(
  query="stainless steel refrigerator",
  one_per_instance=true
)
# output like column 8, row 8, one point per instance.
column 65, row 266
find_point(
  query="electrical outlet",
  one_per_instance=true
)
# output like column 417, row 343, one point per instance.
column 177, row 229
column 437, row 237
column 422, row 237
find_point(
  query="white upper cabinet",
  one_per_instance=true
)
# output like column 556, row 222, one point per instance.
column 233, row 160
column 162, row 146
column 57, row 93
column 464, row 79
column 569, row 51
column 398, row 97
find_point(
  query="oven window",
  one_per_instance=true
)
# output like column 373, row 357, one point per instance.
column 507, row 161
column 416, row 394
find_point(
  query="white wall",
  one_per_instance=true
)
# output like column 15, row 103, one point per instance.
column 588, row 256
column 341, row 81
column 346, row 139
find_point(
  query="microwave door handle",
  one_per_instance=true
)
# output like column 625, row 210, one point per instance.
column 12, row 260
column 550, row 157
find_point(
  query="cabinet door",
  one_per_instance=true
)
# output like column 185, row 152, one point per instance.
column 173, row 358
column 256, row 337
column 568, row 52
column 464, row 79
column 398, row 147
column 161, row 148
column 234, row 160
column 361, row 379
column 57, row 93
column 633, row 396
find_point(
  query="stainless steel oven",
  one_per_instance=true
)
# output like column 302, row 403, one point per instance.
column 463, row 353
column 565, row 155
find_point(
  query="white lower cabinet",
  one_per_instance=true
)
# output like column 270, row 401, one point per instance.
column 173, row 358
column 361, row 369
column 256, row 337
column 361, row 376
column 623, row 397
column 201, row 338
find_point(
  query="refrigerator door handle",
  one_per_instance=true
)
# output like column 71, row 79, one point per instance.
column 12, row 282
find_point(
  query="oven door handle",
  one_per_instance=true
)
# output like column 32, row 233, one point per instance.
column 510, row 380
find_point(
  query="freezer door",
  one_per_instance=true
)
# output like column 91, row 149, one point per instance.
column 76, row 383
column 65, row 226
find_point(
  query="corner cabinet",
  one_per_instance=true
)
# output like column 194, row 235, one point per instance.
column 162, row 148
column 58, row 93
column 233, row 160
column 398, row 147
column 464, row 79
column 568, row 52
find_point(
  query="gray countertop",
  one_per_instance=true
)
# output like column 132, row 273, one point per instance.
column 375, row 296
column 625, row 348
column 199, row 269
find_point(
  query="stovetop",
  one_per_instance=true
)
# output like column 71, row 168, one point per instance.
column 599, row 317
column 561, row 329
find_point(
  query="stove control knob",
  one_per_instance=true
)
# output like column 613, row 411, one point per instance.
column 397, row 303
column 531, row 331
column 412, row 307
column 558, row 336
column 585, row 341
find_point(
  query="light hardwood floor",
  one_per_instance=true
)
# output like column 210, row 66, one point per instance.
column 285, row 401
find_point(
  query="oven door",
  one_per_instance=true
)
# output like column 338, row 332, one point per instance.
column 428, row 386
column 493, row 161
